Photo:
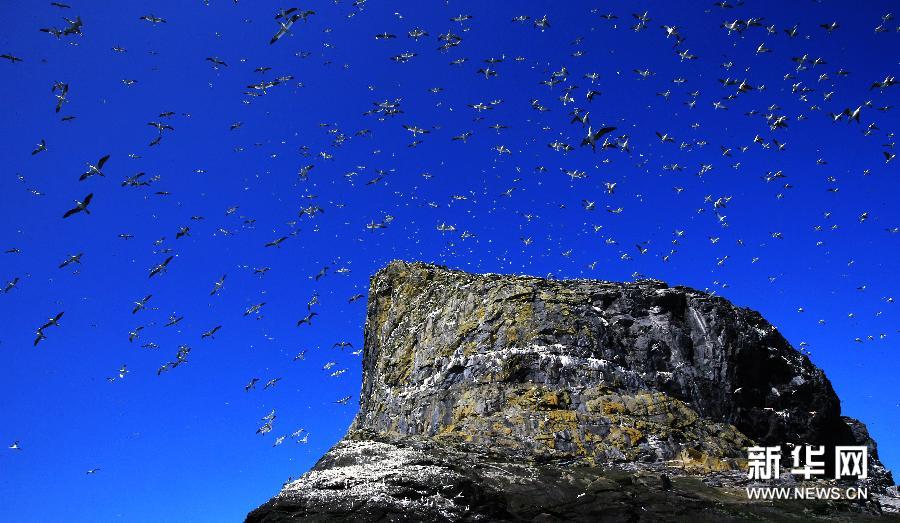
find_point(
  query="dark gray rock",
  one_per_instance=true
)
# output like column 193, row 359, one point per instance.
column 489, row 397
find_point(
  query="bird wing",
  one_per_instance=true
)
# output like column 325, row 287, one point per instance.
column 604, row 131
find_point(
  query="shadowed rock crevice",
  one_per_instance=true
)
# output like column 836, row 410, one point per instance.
column 583, row 393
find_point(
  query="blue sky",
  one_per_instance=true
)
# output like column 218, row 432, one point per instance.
column 183, row 445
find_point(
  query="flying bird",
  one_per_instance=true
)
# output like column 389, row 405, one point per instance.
column 307, row 319
column 80, row 206
column 156, row 269
column 211, row 333
column 94, row 169
column 40, row 147
column 288, row 21
column 217, row 286
column 140, row 304
column 593, row 136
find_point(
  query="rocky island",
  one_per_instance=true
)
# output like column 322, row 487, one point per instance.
column 513, row 398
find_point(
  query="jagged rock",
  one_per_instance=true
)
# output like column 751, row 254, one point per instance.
column 489, row 397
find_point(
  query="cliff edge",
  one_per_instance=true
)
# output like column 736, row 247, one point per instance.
column 510, row 398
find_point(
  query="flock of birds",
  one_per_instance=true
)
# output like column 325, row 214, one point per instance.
column 583, row 139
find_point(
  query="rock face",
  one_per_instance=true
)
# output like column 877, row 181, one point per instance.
column 489, row 397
